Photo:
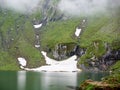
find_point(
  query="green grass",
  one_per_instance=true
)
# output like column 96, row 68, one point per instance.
column 37, row 15
column 28, row 51
column 116, row 44
column 116, row 67
column 23, row 43
column 7, row 62
column 92, row 51
column 98, row 28
column 90, row 87
column 28, row 32
column 113, row 79
column 59, row 32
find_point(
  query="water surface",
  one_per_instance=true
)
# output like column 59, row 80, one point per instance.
column 22, row 80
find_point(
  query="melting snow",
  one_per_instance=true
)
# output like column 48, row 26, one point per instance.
column 69, row 65
column 38, row 26
column 49, row 60
column 37, row 46
column 77, row 32
column 84, row 20
column 22, row 61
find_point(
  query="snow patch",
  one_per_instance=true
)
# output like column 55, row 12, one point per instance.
column 84, row 20
column 37, row 36
column 67, row 65
column 48, row 60
column 38, row 25
column 77, row 32
column 37, row 46
column 22, row 61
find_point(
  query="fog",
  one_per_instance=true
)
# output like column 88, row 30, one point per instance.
column 71, row 7
column 22, row 6
column 86, row 7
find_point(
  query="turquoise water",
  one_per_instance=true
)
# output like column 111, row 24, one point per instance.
column 22, row 80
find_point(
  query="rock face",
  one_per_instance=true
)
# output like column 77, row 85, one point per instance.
column 65, row 50
column 110, row 57
column 103, row 62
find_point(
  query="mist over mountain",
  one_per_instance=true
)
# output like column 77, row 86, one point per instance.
column 59, row 20
column 86, row 7
column 22, row 6
column 70, row 7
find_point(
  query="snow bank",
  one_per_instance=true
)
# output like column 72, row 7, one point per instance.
column 37, row 46
column 49, row 60
column 77, row 32
column 22, row 61
column 67, row 65
column 38, row 26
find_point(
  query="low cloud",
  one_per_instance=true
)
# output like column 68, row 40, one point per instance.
column 71, row 7
column 86, row 7
column 22, row 6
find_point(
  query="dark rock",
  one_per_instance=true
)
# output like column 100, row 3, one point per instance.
column 65, row 50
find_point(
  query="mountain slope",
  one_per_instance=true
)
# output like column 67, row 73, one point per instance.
column 18, row 36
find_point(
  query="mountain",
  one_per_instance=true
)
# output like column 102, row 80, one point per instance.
column 97, row 38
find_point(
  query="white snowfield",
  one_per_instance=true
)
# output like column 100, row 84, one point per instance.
column 68, row 65
column 48, row 60
column 38, row 25
column 77, row 32
column 22, row 61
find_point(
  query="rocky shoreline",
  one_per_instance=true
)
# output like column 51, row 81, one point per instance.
column 111, row 82
column 95, row 85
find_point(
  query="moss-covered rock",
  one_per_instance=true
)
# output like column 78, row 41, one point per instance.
column 95, row 85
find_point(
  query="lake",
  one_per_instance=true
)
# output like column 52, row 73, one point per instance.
column 24, row 80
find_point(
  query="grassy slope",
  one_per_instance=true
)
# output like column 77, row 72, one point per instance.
column 59, row 32
column 8, row 62
column 116, row 67
column 100, row 28
column 29, row 52
column 93, row 51
column 26, row 48
column 23, row 43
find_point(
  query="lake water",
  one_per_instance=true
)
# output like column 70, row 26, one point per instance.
column 22, row 80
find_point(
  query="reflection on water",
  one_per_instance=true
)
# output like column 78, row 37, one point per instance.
column 55, row 81
column 23, row 80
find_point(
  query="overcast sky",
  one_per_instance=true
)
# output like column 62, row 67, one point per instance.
column 77, row 7
column 72, row 7
column 22, row 6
